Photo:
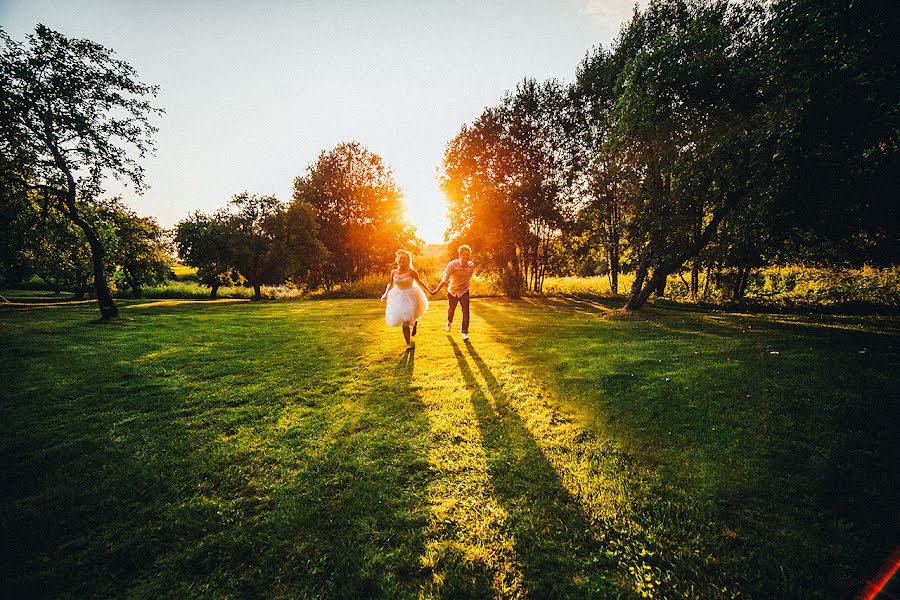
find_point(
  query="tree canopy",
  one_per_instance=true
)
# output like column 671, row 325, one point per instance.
column 359, row 209
column 73, row 116
column 711, row 134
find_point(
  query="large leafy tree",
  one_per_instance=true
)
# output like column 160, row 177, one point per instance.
column 834, row 88
column 505, row 177
column 58, row 253
column 687, row 119
column 601, row 183
column 19, row 218
column 72, row 116
column 359, row 209
column 141, row 251
column 204, row 242
column 297, row 249
column 253, row 227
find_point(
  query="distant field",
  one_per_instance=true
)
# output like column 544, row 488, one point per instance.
column 291, row 449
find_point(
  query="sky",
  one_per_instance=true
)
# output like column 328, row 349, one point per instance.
column 254, row 92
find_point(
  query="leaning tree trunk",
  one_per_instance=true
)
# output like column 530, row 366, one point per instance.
column 640, row 295
column 213, row 290
column 108, row 309
column 636, row 299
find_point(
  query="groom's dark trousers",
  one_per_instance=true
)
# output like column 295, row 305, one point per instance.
column 463, row 302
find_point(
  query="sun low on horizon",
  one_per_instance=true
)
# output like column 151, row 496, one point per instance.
column 253, row 94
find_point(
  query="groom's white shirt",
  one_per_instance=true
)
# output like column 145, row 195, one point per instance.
column 457, row 277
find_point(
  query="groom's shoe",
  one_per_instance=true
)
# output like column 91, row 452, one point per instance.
column 415, row 325
column 465, row 337
column 447, row 327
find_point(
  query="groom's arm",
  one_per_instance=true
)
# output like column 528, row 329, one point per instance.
column 444, row 281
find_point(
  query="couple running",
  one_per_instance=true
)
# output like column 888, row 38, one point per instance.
column 406, row 300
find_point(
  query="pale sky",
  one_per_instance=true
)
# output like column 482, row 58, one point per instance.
column 253, row 92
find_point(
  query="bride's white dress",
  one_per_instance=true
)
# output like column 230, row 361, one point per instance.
column 406, row 301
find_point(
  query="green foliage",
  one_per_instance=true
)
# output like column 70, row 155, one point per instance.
column 504, row 177
column 713, row 135
column 140, row 250
column 359, row 212
column 73, row 115
column 827, row 287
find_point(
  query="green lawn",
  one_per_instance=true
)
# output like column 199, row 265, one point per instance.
column 292, row 449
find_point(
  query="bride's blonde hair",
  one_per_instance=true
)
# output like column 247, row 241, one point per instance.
column 400, row 253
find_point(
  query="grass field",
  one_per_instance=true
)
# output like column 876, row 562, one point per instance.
column 292, row 449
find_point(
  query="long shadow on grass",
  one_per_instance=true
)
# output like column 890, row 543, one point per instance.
column 221, row 450
column 778, row 433
column 559, row 556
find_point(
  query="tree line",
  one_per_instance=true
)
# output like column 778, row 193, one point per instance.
column 73, row 115
column 345, row 221
column 712, row 138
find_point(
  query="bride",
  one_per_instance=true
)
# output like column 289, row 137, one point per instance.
column 406, row 302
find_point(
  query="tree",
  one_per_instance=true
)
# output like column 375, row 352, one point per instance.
column 204, row 242
column 59, row 254
column 833, row 90
column 687, row 118
column 359, row 209
column 19, row 218
column 297, row 249
column 602, row 181
column 254, row 251
column 72, row 116
column 141, row 251
column 505, row 177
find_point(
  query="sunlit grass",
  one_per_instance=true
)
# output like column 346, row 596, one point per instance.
column 294, row 449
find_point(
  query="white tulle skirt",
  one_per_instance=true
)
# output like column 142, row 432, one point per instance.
column 405, row 306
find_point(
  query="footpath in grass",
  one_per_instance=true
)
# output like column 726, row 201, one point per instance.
column 292, row 449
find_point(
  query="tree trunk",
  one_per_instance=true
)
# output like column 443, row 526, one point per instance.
column 661, row 285
column 108, row 309
column 214, row 289
column 257, row 292
column 695, row 279
column 635, row 300
column 707, row 280
column 614, row 268
column 639, row 296
column 740, row 284
column 133, row 283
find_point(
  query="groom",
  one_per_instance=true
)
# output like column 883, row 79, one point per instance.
column 456, row 277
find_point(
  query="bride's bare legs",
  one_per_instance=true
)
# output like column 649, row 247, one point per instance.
column 406, row 335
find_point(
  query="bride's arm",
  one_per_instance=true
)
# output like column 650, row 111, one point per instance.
column 388, row 288
column 421, row 283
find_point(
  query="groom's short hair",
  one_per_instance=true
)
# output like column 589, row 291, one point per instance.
column 464, row 247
